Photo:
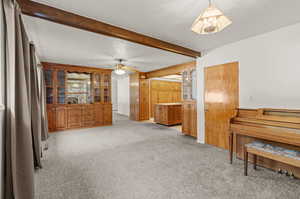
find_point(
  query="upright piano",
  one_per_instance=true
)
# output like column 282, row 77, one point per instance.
column 277, row 126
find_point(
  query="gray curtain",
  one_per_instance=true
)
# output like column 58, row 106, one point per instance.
column 36, row 116
column 43, row 104
column 19, row 156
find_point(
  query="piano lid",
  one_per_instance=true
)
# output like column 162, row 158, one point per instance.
column 283, row 118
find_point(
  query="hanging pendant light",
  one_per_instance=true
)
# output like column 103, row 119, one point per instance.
column 212, row 20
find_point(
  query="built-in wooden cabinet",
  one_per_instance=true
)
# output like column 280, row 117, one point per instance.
column 167, row 113
column 189, row 117
column 75, row 117
column 51, row 118
column 77, row 97
column 107, row 114
column 189, row 103
column 60, row 118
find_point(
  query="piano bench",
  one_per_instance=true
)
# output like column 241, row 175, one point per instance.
column 280, row 154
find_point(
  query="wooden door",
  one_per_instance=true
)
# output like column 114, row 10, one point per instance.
column 61, row 118
column 221, row 101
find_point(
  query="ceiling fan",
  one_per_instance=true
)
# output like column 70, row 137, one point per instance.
column 120, row 69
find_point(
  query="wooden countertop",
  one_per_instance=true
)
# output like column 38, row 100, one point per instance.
column 168, row 104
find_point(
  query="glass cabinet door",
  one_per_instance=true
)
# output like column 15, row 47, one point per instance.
column 194, row 84
column 61, row 93
column 186, row 85
column 189, row 85
column 61, row 78
column 106, row 88
column 49, row 95
column 48, row 75
column 97, row 87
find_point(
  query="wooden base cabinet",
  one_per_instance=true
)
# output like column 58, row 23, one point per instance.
column 189, row 118
column 107, row 114
column 51, row 118
column 74, row 117
column 65, row 117
column 88, row 116
column 99, row 115
column 61, row 118
column 167, row 113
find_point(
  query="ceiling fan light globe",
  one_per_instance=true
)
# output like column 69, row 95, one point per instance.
column 119, row 72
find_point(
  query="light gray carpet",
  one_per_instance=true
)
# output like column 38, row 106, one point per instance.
column 132, row 160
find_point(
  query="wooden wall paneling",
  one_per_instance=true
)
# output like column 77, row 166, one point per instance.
column 56, row 15
column 139, row 97
column 164, row 92
column 171, row 70
column 221, row 102
column 134, row 96
column 144, row 99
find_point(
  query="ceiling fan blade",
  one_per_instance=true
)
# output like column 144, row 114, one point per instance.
column 129, row 68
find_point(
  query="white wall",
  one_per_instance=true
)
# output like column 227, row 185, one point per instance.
column 123, row 96
column 269, row 70
column 114, row 94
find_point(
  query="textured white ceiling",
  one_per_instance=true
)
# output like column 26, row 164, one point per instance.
column 62, row 44
column 170, row 20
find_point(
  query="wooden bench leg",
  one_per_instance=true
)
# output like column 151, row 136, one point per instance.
column 245, row 162
column 254, row 161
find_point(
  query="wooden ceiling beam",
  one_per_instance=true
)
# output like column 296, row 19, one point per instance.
column 56, row 15
column 171, row 70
